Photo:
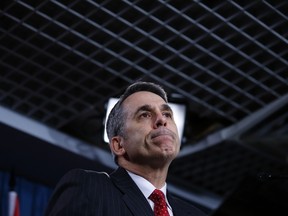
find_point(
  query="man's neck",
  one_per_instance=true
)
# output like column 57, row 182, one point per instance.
column 156, row 177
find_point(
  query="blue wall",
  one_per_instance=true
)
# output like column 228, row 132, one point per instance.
column 33, row 197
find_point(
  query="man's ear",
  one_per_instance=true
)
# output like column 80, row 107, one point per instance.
column 116, row 145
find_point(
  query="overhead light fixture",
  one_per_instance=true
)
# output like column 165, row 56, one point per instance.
column 179, row 112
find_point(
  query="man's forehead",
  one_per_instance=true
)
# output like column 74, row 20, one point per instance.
column 138, row 104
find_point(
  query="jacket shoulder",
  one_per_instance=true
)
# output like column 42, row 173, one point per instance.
column 80, row 189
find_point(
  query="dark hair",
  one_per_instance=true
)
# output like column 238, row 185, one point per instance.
column 116, row 119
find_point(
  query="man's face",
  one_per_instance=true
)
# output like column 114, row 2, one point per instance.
column 151, row 133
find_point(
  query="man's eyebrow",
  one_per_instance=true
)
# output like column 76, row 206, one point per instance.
column 166, row 107
column 145, row 107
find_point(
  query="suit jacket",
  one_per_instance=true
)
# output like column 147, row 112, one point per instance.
column 90, row 193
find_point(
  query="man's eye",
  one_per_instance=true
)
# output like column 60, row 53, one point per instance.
column 145, row 115
column 168, row 114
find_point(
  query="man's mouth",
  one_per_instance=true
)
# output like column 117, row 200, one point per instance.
column 162, row 132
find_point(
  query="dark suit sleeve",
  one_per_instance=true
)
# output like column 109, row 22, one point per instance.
column 79, row 192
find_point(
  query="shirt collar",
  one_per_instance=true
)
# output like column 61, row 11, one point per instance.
column 146, row 187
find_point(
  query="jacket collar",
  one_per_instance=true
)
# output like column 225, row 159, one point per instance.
column 132, row 195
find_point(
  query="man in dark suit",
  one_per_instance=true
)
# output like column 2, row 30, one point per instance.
column 144, row 140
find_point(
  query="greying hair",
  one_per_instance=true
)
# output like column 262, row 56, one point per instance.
column 116, row 119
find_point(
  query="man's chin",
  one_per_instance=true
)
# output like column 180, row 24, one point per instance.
column 168, row 151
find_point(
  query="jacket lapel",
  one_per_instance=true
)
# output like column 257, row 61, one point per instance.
column 132, row 195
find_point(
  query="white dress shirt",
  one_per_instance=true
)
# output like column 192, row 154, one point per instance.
column 147, row 188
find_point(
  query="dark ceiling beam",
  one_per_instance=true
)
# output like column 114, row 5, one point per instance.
column 55, row 137
column 235, row 131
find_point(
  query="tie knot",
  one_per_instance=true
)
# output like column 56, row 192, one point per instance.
column 157, row 196
column 160, row 206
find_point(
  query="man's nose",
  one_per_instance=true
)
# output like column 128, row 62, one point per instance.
column 160, row 120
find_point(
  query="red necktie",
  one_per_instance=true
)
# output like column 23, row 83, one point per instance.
column 160, row 206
